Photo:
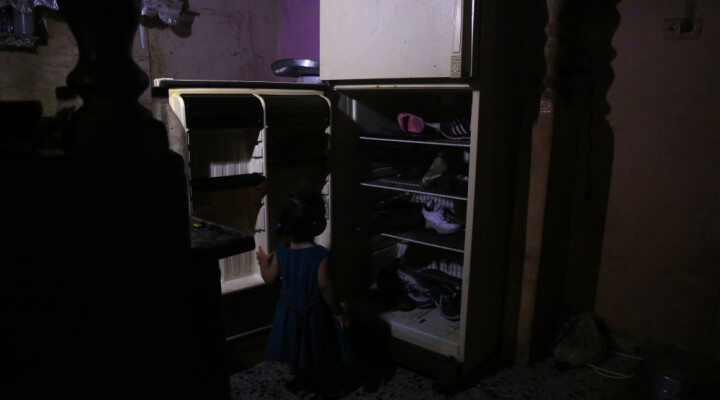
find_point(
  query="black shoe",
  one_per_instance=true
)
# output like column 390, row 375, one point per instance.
column 447, row 300
column 390, row 288
column 398, row 217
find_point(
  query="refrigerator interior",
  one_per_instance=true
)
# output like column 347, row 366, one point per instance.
column 249, row 148
column 381, row 182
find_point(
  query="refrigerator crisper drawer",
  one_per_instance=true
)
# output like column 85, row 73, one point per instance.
column 248, row 149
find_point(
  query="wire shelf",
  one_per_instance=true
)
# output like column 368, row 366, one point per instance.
column 433, row 142
column 403, row 185
column 453, row 242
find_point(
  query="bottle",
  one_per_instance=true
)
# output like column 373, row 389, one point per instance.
column 177, row 135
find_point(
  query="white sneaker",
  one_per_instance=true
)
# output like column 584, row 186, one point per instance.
column 436, row 219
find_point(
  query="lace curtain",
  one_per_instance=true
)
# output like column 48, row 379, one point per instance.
column 167, row 10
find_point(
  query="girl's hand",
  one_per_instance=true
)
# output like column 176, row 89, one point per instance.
column 262, row 257
column 344, row 320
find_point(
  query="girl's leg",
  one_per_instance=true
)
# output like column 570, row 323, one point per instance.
column 335, row 382
column 302, row 383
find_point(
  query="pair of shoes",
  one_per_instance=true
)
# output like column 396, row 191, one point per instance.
column 457, row 129
column 447, row 300
column 436, row 218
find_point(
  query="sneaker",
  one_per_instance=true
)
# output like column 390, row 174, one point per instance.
column 437, row 219
column 458, row 129
column 436, row 170
column 447, row 300
column 415, row 287
column 418, row 296
column 390, row 288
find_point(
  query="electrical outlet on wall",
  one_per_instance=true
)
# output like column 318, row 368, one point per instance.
column 682, row 28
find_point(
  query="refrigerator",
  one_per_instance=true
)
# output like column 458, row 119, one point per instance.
column 391, row 138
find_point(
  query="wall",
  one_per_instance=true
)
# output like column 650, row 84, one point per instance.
column 28, row 76
column 299, row 22
column 216, row 39
column 659, row 276
column 299, row 31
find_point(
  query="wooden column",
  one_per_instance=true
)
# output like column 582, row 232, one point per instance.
column 101, row 302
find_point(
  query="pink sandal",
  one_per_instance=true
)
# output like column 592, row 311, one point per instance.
column 410, row 123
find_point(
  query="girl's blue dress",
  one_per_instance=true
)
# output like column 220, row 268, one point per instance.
column 304, row 331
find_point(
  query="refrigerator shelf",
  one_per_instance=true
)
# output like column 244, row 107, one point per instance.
column 426, row 328
column 404, row 185
column 432, row 142
column 453, row 242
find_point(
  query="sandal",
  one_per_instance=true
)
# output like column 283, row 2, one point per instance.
column 410, row 123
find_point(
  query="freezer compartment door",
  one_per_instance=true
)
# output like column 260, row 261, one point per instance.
column 391, row 39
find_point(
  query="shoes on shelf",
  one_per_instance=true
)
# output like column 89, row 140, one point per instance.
column 418, row 296
column 398, row 216
column 457, row 129
column 442, row 273
column 391, row 290
column 410, row 123
column 415, row 287
column 412, row 127
column 452, row 184
column 436, row 218
column 438, row 167
column 447, row 300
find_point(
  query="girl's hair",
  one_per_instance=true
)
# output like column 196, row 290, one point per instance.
column 302, row 215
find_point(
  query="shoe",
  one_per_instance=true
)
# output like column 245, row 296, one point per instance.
column 390, row 288
column 451, row 274
column 410, row 123
column 447, row 300
column 415, row 287
column 437, row 219
column 403, row 216
column 458, row 129
column 417, row 295
column 436, row 170
column 452, row 184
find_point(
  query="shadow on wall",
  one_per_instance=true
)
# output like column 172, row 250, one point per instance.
column 581, row 165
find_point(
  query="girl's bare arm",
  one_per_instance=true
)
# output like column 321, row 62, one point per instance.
column 327, row 290
column 268, row 265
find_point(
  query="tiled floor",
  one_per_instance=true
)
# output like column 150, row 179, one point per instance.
column 539, row 381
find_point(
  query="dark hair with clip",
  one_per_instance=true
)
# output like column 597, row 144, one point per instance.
column 302, row 216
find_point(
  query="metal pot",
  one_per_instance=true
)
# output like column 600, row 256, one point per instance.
column 296, row 67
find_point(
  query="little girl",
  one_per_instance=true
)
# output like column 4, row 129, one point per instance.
column 308, row 330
